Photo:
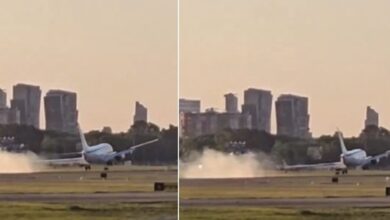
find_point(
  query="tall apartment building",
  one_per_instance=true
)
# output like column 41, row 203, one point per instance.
column 4, row 116
column 186, row 106
column 211, row 122
column 61, row 111
column 141, row 113
column 292, row 116
column 231, row 103
column 372, row 117
column 258, row 104
column 9, row 116
column 3, row 99
column 3, row 107
column 27, row 100
column 189, row 106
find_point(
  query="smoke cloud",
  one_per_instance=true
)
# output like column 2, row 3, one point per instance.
column 215, row 164
column 19, row 162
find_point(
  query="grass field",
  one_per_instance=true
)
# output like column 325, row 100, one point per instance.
column 302, row 185
column 107, row 211
column 286, row 185
column 75, row 180
column 245, row 213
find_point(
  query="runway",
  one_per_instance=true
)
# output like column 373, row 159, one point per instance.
column 129, row 197
column 291, row 202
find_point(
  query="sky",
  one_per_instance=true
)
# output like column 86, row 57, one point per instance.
column 112, row 53
column 335, row 52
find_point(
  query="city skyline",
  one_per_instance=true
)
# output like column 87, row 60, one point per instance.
column 335, row 53
column 221, row 108
column 46, row 93
column 111, row 54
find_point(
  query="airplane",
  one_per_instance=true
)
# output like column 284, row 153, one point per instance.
column 357, row 158
column 98, row 154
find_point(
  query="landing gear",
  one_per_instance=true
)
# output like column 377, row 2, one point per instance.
column 342, row 171
column 104, row 173
column 87, row 167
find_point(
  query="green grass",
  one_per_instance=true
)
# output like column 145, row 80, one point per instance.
column 75, row 187
column 79, row 181
column 300, row 186
column 107, row 211
column 281, row 192
column 246, row 213
column 291, row 185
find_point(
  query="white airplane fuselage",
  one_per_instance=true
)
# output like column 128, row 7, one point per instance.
column 98, row 154
column 355, row 157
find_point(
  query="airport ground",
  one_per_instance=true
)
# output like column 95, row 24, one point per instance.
column 72, row 193
column 293, row 195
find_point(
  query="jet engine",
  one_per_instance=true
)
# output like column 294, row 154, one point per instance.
column 374, row 161
column 120, row 157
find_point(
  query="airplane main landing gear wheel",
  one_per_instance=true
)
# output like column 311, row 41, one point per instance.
column 88, row 167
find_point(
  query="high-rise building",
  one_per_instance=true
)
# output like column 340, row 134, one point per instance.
column 258, row 104
column 189, row 106
column 141, row 113
column 292, row 116
column 4, row 116
column 9, row 116
column 13, row 116
column 61, row 111
column 27, row 99
column 3, row 108
column 3, row 99
column 372, row 117
column 231, row 103
column 211, row 122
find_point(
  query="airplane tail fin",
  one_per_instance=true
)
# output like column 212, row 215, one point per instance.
column 342, row 145
column 84, row 143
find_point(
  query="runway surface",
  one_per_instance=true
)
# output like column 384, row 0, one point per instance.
column 129, row 197
column 291, row 202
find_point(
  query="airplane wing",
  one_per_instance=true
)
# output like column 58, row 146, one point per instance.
column 66, row 161
column 382, row 156
column 377, row 158
column 130, row 150
column 318, row 166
